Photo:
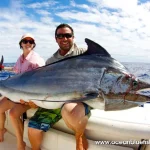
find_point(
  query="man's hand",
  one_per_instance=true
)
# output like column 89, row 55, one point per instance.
column 23, row 102
column 30, row 103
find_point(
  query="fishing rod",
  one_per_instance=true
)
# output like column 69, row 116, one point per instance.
column 2, row 66
column 1, row 63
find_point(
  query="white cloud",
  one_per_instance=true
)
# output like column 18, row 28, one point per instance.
column 79, row 16
column 122, row 27
column 43, row 12
column 126, row 5
column 46, row 4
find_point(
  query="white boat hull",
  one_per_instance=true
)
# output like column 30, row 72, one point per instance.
column 125, row 125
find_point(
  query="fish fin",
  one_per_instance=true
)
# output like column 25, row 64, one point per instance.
column 112, row 105
column 94, row 48
column 96, row 103
column 1, row 63
column 2, row 60
column 116, row 104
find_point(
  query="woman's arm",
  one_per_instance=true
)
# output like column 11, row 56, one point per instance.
column 8, row 68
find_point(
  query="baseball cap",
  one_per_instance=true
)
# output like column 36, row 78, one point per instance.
column 27, row 35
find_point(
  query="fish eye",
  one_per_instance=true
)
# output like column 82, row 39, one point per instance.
column 134, row 84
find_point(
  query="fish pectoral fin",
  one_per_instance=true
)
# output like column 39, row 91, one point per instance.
column 118, row 104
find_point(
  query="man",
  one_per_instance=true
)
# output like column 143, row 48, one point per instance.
column 74, row 114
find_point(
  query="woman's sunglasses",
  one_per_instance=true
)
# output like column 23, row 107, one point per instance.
column 27, row 41
column 66, row 35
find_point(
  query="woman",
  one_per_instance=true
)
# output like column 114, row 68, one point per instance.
column 29, row 60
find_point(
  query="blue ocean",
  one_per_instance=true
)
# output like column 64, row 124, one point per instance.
column 140, row 70
column 5, row 74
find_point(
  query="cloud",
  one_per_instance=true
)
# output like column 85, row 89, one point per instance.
column 46, row 4
column 122, row 27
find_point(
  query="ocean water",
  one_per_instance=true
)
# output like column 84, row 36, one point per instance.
column 5, row 74
column 140, row 70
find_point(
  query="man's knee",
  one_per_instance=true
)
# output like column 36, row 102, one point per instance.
column 73, row 109
column 73, row 112
column 4, row 105
column 74, row 116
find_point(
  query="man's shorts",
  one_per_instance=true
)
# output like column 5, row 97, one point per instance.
column 44, row 119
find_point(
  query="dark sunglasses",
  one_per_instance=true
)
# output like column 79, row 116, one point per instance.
column 66, row 35
column 26, row 41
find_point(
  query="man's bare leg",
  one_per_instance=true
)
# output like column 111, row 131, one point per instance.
column 15, row 116
column 35, row 137
column 74, row 117
column 2, row 132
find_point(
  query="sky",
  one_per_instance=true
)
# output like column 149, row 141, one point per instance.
column 122, row 27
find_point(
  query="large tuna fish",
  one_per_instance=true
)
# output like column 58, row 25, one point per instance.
column 93, row 77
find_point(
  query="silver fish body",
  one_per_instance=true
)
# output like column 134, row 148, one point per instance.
column 93, row 77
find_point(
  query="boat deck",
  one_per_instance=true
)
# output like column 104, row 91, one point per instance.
column 9, row 143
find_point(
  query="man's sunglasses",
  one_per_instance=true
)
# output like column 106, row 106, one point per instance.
column 66, row 35
column 26, row 41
